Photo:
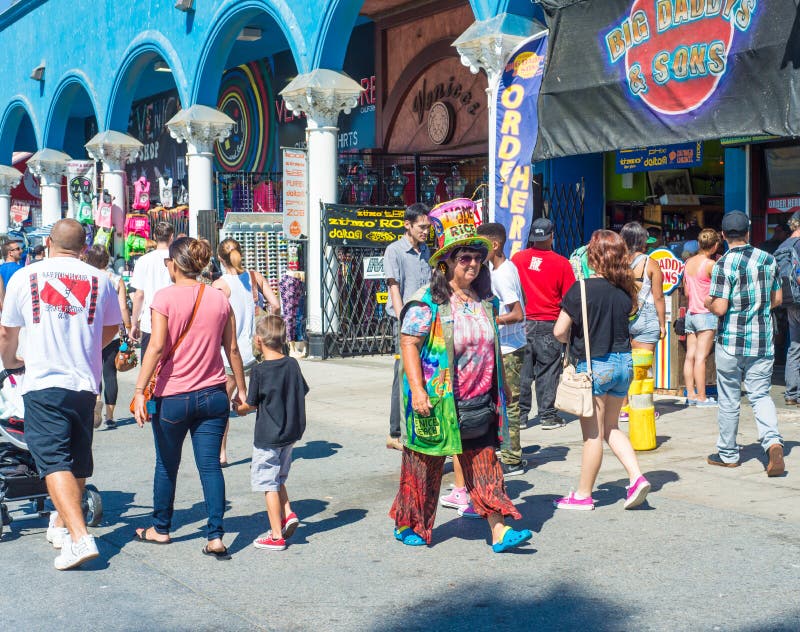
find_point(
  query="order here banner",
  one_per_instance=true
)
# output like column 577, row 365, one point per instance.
column 515, row 137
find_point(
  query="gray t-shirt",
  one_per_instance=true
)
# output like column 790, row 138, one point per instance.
column 408, row 267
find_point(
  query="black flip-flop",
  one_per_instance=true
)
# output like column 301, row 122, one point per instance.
column 142, row 537
column 220, row 555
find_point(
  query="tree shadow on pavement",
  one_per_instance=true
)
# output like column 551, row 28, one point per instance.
column 612, row 492
column 316, row 450
column 566, row 606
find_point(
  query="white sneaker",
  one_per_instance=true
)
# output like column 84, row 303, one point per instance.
column 55, row 535
column 76, row 553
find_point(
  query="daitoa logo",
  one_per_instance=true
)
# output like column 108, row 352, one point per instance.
column 676, row 51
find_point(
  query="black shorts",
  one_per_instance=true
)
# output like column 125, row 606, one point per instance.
column 58, row 430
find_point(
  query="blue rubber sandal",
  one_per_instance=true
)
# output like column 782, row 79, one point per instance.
column 407, row 536
column 511, row 539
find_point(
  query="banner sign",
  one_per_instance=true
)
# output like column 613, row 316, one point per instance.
column 373, row 268
column 783, row 204
column 624, row 73
column 656, row 158
column 295, row 192
column 515, row 137
column 363, row 226
column 671, row 268
column 19, row 212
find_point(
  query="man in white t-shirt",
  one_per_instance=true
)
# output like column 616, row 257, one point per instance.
column 507, row 288
column 149, row 276
column 70, row 311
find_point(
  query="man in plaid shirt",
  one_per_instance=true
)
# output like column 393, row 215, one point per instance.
column 745, row 286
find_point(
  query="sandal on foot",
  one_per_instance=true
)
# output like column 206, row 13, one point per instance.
column 511, row 539
column 140, row 535
column 407, row 536
column 220, row 555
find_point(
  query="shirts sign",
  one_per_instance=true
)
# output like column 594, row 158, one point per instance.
column 295, row 192
column 671, row 268
column 363, row 226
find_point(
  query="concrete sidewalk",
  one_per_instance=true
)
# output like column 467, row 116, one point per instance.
column 714, row 548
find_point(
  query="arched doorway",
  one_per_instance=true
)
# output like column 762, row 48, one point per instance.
column 72, row 119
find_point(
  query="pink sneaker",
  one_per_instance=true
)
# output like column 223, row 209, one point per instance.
column 458, row 498
column 570, row 502
column 637, row 493
column 469, row 512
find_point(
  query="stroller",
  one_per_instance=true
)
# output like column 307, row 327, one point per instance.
column 19, row 481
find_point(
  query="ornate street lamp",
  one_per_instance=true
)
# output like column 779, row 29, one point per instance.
column 488, row 44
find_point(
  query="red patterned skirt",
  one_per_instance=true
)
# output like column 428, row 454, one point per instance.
column 421, row 477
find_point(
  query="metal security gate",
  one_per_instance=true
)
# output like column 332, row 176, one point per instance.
column 563, row 205
column 354, row 319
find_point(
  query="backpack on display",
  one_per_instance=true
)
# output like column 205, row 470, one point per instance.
column 137, row 224
column 141, row 195
column 103, row 237
column 89, row 228
column 85, row 212
column 103, row 216
column 788, row 260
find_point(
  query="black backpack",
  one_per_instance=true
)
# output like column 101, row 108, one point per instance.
column 788, row 260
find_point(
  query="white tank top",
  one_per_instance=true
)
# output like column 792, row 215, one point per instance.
column 241, row 300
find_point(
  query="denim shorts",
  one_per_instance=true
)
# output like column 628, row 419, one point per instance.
column 611, row 374
column 645, row 327
column 700, row 322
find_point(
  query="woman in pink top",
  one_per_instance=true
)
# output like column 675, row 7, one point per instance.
column 189, row 394
column 701, row 325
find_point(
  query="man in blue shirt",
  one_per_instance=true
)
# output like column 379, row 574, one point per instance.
column 11, row 252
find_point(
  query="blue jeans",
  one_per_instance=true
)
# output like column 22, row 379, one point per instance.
column 204, row 414
column 756, row 372
column 611, row 374
column 792, row 374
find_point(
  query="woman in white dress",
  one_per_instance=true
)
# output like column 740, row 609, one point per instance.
column 243, row 289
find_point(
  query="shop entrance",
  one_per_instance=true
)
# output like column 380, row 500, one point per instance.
column 562, row 204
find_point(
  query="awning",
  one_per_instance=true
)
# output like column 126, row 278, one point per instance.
column 632, row 73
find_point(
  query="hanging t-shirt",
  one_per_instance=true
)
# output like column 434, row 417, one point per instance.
column 607, row 308
column 194, row 365
column 473, row 344
column 165, row 192
column 507, row 288
column 278, row 390
column 150, row 274
column 63, row 304
column 545, row 276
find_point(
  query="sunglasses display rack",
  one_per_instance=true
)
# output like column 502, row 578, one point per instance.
column 264, row 245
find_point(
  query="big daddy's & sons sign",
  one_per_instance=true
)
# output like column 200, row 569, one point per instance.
column 630, row 73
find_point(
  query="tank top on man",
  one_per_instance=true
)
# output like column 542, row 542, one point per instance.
column 191, row 367
column 645, row 294
column 241, row 300
column 698, row 287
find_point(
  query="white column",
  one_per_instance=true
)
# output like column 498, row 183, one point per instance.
column 491, row 93
column 200, row 174
column 50, row 182
column 200, row 127
column 9, row 178
column 5, row 212
column 322, row 135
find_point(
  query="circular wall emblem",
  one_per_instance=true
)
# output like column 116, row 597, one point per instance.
column 441, row 123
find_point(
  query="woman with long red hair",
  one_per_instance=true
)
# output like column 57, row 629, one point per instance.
column 610, row 297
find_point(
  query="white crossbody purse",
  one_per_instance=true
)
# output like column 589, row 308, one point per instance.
column 574, row 392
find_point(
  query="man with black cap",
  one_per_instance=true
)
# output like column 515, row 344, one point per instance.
column 546, row 277
column 744, row 288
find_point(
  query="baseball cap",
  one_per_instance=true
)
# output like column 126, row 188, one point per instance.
column 541, row 229
column 735, row 224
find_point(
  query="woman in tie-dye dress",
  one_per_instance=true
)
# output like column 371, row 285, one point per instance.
column 452, row 362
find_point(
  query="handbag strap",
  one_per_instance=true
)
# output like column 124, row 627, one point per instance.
column 585, row 327
column 185, row 331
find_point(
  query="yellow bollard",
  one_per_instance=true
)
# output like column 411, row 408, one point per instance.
column 642, row 414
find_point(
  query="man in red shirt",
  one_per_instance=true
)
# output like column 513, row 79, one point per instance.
column 546, row 277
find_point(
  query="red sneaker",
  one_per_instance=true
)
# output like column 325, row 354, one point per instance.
column 289, row 525
column 267, row 542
